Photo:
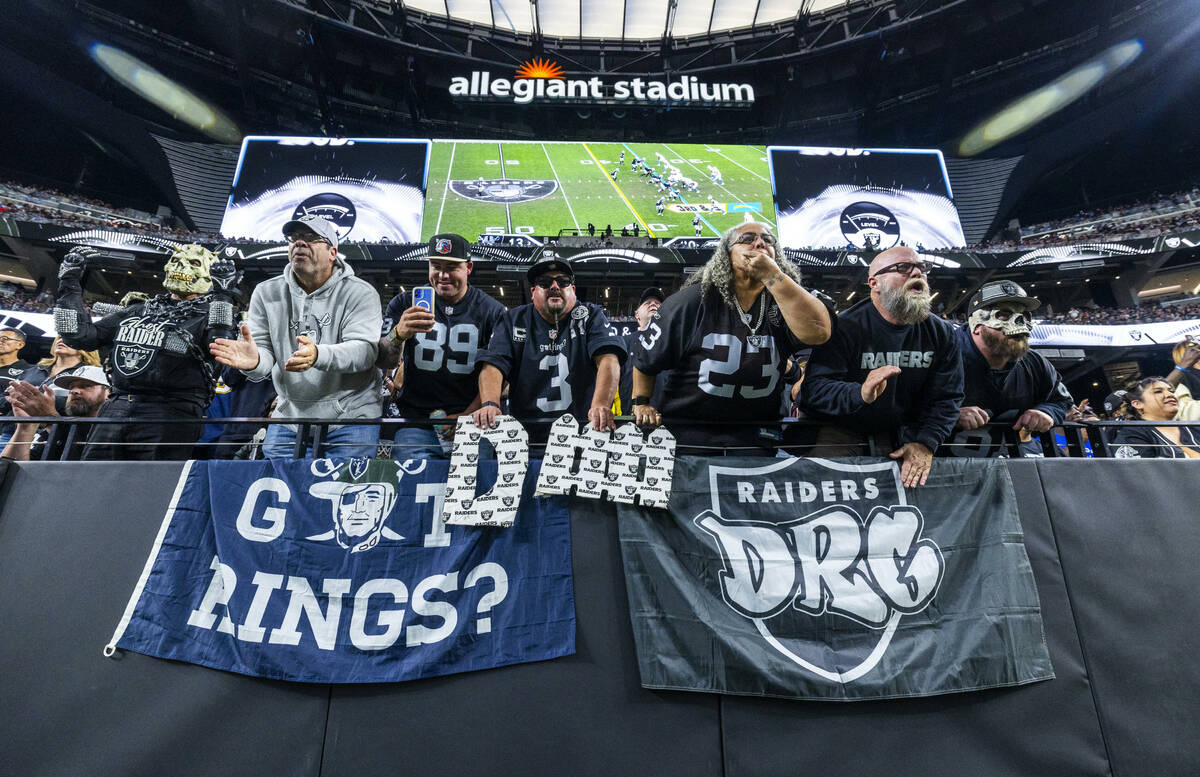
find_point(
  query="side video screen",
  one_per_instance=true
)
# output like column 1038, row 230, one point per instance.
column 372, row 189
column 536, row 188
column 855, row 198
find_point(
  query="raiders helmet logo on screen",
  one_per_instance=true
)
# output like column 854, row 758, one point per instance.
column 865, row 222
column 504, row 190
column 332, row 207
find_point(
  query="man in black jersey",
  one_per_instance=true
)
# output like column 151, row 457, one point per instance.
column 652, row 299
column 439, row 348
column 725, row 338
column 1003, row 378
column 557, row 354
column 160, row 364
column 890, row 367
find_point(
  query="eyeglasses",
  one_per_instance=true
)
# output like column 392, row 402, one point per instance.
column 10, row 340
column 310, row 238
column 906, row 268
column 748, row 238
column 546, row 282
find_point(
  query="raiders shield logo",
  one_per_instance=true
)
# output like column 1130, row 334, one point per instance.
column 129, row 360
column 504, row 190
column 804, row 552
column 864, row 222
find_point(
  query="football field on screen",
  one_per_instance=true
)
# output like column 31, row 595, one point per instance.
column 489, row 187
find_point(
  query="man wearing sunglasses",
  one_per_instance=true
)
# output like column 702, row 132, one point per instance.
column 315, row 330
column 557, row 354
column 891, row 368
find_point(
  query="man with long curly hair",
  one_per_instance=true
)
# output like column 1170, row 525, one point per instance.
column 725, row 339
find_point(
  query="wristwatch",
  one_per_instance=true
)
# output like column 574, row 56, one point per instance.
column 639, row 401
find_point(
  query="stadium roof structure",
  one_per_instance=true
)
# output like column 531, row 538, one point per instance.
column 622, row 19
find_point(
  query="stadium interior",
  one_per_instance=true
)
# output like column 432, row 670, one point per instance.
column 1054, row 142
column 87, row 147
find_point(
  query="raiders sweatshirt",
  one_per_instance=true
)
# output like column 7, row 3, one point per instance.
column 921, row 402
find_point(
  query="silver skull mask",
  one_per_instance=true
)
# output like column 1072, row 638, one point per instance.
column 1008, row 317
column 187, row 271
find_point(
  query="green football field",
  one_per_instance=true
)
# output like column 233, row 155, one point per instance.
column 477, row 188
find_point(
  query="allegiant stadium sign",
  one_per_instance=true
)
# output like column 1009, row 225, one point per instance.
column 543, row 81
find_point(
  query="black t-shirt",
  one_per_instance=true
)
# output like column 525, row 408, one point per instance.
column 1031, row 382
column 11, row 372
column 721, row 368
column 440, row 370
column 549, row 376
column 1146, row 442
column 921, row 402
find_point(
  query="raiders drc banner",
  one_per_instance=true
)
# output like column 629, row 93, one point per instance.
column 342, row 571
column 823, row 579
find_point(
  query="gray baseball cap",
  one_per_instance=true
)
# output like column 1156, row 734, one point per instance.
column 86, row 372
column 311, row 223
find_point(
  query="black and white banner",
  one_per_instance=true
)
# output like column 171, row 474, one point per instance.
column 823, row 579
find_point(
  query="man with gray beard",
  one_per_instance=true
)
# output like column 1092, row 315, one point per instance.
column 891, row 372
column 1004, row 380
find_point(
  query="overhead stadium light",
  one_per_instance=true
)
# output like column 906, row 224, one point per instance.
column 1042, row 103
column 147, row 82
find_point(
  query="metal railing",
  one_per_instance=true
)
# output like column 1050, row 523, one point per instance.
column 1081, row 439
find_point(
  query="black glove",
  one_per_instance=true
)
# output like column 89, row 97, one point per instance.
column 225, row 276
column 75, row 262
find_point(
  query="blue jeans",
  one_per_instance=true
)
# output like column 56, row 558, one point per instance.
column 343, row 442
column 415, row 442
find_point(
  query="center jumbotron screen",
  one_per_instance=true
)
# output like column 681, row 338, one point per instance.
column 852, row 197
column 543, row 188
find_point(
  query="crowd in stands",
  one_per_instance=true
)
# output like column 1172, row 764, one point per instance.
column 1158, row 215
column 1138, row 315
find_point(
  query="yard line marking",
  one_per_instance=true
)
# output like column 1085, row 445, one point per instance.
column 561, row 188
column 507, row 209
column 446, row 190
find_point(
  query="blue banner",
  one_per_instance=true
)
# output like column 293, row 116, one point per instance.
column 342, row 571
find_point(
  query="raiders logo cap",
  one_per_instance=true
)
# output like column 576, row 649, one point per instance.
column 450, row 247
column 994, row 292
column 546, row 265
column 85, row 372
column 313, row 223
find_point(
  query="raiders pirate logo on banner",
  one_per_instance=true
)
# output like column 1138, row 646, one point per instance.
column 504, row 190
column 869, row 222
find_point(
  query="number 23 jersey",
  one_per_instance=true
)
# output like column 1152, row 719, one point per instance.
column 719, row 369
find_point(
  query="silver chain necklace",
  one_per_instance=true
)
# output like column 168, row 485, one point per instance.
column 762, row 310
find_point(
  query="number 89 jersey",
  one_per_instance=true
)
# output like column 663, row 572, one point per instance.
column 439, row 365
column 718, row 368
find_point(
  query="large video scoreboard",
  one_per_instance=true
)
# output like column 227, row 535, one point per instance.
column 402, row 191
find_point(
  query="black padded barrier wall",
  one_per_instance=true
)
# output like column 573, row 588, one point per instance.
column 1113, row 546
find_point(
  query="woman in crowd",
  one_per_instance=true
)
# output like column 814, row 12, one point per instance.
column 61, row 359
column 1152, row 400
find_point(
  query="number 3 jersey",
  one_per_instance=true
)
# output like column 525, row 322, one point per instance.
column 551, row 369
column 440, row 365
column 719, row 369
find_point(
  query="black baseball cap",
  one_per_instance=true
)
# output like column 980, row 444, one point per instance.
column 994, row 292
column 1113, row 402
column 450, row 247
column 547, row 265
column 653, row 292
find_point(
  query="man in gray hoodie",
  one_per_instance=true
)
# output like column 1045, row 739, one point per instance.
column 314, row 329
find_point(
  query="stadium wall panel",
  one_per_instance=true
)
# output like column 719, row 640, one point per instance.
column 1112, row 546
